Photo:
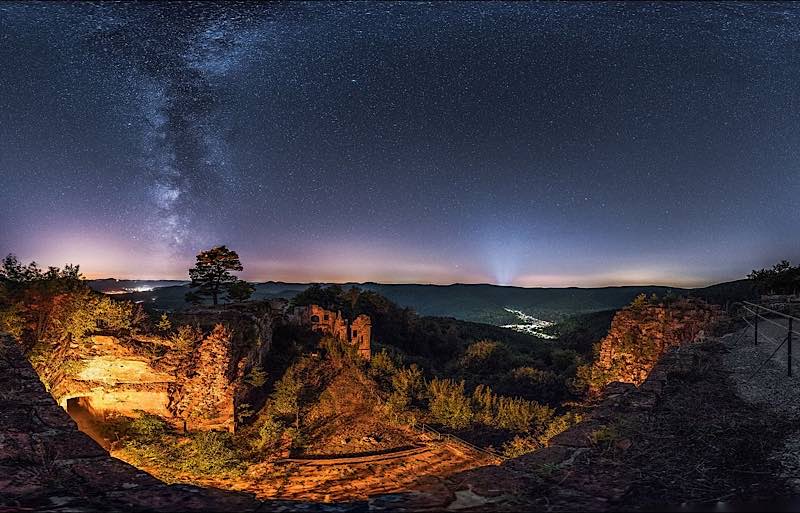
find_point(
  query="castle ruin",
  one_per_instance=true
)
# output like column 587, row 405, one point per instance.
column 326, row 322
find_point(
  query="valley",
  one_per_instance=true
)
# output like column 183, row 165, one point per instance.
column 529, row 324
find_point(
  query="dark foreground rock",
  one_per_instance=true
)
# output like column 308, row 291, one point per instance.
column 46, row 464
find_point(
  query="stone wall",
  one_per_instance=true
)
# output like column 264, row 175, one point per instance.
column 334, row 324
column 361, row 335
column 46, row 464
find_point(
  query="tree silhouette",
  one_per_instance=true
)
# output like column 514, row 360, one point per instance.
column 211, row 274
column 240, row 290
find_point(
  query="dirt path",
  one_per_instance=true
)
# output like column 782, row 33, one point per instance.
column 344, row 479
column 760, row 374
column 760, row 371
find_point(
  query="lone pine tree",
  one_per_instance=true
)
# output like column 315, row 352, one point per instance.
column 211, row 274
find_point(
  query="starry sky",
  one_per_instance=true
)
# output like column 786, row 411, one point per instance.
column 534, row 144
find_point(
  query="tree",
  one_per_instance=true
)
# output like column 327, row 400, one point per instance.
column 240, row 290
column 257, row 377
column 164, row 323
column 783, row 278
column 286, row 397
column 211, row 274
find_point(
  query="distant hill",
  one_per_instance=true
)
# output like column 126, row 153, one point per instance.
column 476, row 303
column 730, row 291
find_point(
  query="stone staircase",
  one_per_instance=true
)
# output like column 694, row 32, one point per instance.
column 354, row 479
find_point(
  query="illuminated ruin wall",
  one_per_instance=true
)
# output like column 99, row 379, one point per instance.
column 327, row 322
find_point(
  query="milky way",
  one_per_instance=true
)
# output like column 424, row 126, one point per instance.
column 535, row 144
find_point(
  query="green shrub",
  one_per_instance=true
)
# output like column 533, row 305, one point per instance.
column 531, row 382
column 285, row 400
column 296, row 437
column 339, row 351
column 211, row 452
column 164, row 323
column 558, row 425
column 256, row 377
column 269, row 434
column 186, row 337
column 243, row 412
column 147, row 426
column 606, row 436
column 448, row 404
column 510, row 413
column 563, row 359
column 519, row 446
column 382, row 368
column 485, row 357
column 408, row 387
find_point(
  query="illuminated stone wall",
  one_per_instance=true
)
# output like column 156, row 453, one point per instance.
column 334, row 324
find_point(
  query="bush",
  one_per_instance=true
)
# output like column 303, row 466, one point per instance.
column 448, row 404
column 605, row 436
column 339, row 352
column 147, row 426
column 186, row 337
column 164, row 324
column 484, row 403
column 519, row 446
column 256, row 377
column 509, row 413
column 531, row 382
column 382, row 368
column 243, row 412
column 563, row 359
column 211, row 452
column 269, row 434
column 558, row 425
column 782, row 278
column 485, row 357
column 408, row 387
column 286, row 397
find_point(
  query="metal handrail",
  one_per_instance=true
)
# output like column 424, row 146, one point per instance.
column 767, row 319
column 447, row 436
column 782, row 314
column 760, row 335
column 787, row 339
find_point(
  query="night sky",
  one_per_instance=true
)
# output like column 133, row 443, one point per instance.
column 528, row 144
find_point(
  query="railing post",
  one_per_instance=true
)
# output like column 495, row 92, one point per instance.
column 755, row 321
column 789, row 348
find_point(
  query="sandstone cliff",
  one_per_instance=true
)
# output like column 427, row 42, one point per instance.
column 641, row 333
column 195, row 380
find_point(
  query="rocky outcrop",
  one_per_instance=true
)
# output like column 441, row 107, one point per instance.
column 194, row 384
column 46, row 464
column 641, row 333
column 206, row 398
